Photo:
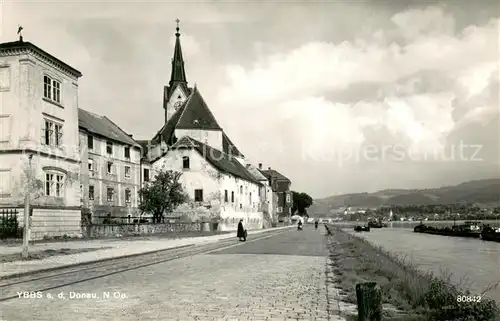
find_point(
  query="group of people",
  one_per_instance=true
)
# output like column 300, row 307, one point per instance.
column 242, row 232
column 300, row 224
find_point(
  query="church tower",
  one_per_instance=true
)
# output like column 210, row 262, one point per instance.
column 177, row 90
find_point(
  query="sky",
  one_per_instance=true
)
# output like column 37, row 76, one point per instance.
column 339, row 96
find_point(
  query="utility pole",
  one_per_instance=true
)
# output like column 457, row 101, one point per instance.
column 24, row 254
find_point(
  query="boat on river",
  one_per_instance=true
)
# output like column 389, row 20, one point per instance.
column 468, row 229
column 490, row 233
column 376, row 224
column 359, row 228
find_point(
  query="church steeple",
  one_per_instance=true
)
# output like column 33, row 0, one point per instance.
column 178, row 72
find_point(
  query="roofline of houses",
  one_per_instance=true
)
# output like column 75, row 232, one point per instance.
column 82, row 128
column 17, row 47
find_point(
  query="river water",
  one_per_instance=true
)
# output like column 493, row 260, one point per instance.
column 472, row 262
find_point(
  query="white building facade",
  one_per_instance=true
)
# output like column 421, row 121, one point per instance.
column 110, row 171
column 39, row 138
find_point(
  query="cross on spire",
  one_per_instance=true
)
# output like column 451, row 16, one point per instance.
column 177, row 33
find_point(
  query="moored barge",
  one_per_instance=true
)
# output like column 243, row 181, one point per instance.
column 468, row 229
column 490, row 234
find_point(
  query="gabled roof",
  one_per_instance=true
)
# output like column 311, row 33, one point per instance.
column 103, row 126
column 220, row 160
column 256, row 173
column 196, row 114
column 271, row 173
column 166, row 133
column 228, row 147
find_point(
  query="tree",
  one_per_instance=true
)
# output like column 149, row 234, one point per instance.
column 162, row 194
column 301, row 201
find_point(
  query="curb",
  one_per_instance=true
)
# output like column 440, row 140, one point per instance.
column 22, row 274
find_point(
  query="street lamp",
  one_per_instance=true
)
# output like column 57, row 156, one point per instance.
column 24, row 254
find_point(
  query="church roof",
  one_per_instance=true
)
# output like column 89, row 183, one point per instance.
column 103, row 126
column 196, row 114
column 194, row 108
column 228, row 147
column 220, row 160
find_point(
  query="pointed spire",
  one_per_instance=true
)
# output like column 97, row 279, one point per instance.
column 178, row 72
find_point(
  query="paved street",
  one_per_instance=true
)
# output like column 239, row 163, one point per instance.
column 278, row 278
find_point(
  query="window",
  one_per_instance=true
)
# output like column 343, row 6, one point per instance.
column 232, row 197
column 51, row 89
column 185, row 162
column 198, row 195
column 226, row 198
column 288, row 198
column 90, row 142
column 127, row 171
column 279, row 209
column 241, row 189
column 128, row 195
column 109, row 148
column 250, row 197
column 91, row 192
column 110, row 168
column 52, row 133
column 54, row 184
column 127, row 152
column 146, row 174
column 91, row 167
column 109, row 193
column 241, row 206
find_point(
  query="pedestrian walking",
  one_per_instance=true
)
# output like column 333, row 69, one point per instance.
column 242, row 233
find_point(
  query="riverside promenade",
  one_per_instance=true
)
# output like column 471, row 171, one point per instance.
column 84, row 251
column 282, row 276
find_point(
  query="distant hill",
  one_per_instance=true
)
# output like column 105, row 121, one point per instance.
column 479, row 191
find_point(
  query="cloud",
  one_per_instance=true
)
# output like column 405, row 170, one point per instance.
column 330, row 103
column 414, row 84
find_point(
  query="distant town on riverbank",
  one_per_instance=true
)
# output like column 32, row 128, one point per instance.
column 478, row 199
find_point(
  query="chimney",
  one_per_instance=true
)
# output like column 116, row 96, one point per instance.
column 269, row 168
column 131, row 136
column 260, row 165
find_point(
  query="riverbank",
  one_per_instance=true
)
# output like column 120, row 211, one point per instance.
column 415, row 295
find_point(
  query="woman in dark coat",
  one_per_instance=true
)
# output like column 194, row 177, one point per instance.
column 241, row 232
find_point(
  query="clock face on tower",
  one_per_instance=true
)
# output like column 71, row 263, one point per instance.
column 177, row 105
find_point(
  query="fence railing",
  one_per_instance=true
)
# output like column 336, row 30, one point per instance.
column 9, row 224
column 108, row 219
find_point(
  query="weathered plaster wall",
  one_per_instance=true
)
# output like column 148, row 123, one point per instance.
column 202, row 175
column 100, row 179
column 14, row 167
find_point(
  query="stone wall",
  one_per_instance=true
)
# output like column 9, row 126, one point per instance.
column 50, row 222
column 110, row 230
